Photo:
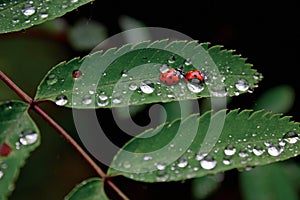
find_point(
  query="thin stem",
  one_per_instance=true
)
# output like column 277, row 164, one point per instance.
column 61, row 131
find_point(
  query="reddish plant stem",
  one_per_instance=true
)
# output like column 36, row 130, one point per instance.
column 61, row 131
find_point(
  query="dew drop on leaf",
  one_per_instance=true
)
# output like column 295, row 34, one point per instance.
column 28, row 11
column 126, row 165
column 5, row 150
column 182, row 162
column 61, row 100
column 51, row 79
column 226, row 160
column 87, row 100
column 124, row 73
column 102, row 100
column 1, row 174
column 291, row 137
column 188, row 61
column 242, row 85
column 275, row 150
column 229, row 150
column 146, row 157
column 147, row 87
column 76, row 74
column 164, row 68
column 258, row 150
column 28, row 137
column 172, row 59
column 195, row 88
column 161, row 166
column 132, row 86
column 208, row 162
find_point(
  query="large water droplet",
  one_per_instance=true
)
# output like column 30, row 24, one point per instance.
column 229, row 150
column 28, row 137
column 51, row 79
column 208, row 162
column 275, row 150
column 147, row 87
column 200, row 156
column 182, row 162
column 61, row 100
column 188, row 61
column 242, row 85
column 164, row 68
column 226, row 160
column 28, row 11
column 102, row 100
column 5, row 150
column 1, row 174
column 195, row 88
column 291, row 137
column 258, row 150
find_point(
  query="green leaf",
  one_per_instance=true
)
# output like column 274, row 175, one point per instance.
column 278, row 99
column 18, row 137
column 209, row 144
column 21, row 14
column 90, row 189
column 267, row 183
column 130, row 75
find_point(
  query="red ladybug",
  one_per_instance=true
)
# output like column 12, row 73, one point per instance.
column 194, row 76
column 170, row 77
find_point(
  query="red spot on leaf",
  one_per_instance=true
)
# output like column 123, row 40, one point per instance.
column 76, row 73
column 5, row 150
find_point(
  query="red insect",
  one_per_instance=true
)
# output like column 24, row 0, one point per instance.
column 194, row 76
column 170, row 77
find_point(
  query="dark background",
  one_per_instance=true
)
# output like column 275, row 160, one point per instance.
column 265, row 33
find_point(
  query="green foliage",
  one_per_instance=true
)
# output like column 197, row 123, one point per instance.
column 198, row 146
column 130, row 75
column 18, row 137
column 21, row 14
column 90, row 189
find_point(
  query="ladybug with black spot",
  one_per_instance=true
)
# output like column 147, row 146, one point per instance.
column 170, row 77
column 194, row 76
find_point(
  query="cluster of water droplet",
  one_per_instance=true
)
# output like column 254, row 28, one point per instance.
column 31, row 11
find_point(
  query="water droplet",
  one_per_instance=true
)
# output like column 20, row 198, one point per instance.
column 43, row 15
column 229, row 150
column 291, row 137
column 76, row 73
column 195, row 88
column 172, row 59
column 132, row 86
column 124, row 73
column 243, row 154
column 258, row 150
column 275, row 150
column 104, row 74
column 146, row 157
column 188, row 61
column 102, row 100
column 1, row 174
column 61, row 100
column 116, row 100
column 147, row 87
column 28, row 11
column 242, row 85
column 226, row 160
column 200, row 156
column 182, row 162
column 51, row 79
column 161, row 166
column 126, row 165
column 208, row 162
column 74, row 1
column 5, row 150
column 87, row 100
column 28, row 137
column 164, row 68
